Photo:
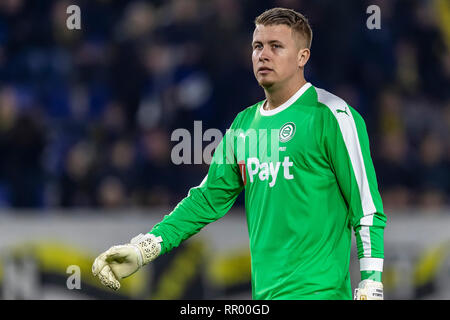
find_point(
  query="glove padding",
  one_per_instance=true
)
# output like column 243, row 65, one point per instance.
column 369, row 290
column 121, row 261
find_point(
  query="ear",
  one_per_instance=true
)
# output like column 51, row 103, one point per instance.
column 303, row 57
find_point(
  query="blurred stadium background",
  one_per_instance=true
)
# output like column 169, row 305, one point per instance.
column 86, row 118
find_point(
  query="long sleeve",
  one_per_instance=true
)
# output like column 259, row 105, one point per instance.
column 349, row 154
column 205, row 203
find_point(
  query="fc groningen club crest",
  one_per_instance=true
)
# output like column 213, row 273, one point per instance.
column 287, row 131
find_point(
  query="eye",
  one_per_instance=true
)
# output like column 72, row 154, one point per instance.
column 276, row 46
column 257, row 46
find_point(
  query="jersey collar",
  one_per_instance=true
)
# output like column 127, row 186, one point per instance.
column 285, row 105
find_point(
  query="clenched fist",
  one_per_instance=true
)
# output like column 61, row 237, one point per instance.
column 121, row 261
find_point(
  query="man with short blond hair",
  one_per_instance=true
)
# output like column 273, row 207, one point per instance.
column 302, row 156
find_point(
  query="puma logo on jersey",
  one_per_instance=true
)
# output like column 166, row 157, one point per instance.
column 265, row 170
column 342, row 111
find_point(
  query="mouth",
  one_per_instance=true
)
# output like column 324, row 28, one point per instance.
column 264, row 70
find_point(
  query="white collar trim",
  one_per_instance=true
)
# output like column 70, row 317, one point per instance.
column 285, row 105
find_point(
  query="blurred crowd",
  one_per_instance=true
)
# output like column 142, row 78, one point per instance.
column 86, row 115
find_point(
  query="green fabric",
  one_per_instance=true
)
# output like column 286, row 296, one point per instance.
column 372, row 275
column 302, row 197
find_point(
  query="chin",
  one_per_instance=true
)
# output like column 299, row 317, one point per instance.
column 266, row 84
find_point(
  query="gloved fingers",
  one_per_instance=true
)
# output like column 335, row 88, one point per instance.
column 99, row 264
column 108, row 279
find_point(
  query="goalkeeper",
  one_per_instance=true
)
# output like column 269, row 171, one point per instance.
column 302, row 201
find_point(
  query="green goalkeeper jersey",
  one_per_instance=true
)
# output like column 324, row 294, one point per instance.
column 308, row 178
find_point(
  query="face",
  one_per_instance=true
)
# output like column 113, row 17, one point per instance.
column 276, row 56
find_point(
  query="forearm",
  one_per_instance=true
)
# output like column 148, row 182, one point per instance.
column 208, row 202
column 370, row 245
column 187, row 219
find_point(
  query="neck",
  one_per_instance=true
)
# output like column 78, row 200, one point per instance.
column 277, row 95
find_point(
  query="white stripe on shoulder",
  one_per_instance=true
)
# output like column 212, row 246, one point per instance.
column 347, row 125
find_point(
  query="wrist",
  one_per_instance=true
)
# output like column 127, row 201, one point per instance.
column 139, row 255
column 371, row 275
column 148, row 246
column 371, row 268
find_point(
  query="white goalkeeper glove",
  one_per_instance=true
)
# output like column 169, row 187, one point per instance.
column 121, row 261
column 369, row 290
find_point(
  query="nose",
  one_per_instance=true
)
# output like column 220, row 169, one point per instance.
column 264, row 54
